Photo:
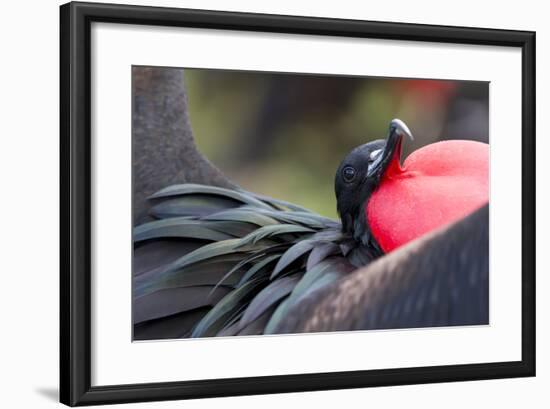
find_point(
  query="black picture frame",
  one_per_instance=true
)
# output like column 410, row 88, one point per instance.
column 76, row 198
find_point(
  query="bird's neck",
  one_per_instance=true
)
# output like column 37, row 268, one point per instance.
column 355, row 225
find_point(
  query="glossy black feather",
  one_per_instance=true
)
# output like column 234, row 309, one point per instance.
column 170, row 327
column 442, row 279
column 191, row 205
column 267, row 297
column 248, row 258
column 171, row 301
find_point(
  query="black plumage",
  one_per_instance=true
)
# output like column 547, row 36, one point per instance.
column 246, row 258
column 211, row 259
column 441, row 279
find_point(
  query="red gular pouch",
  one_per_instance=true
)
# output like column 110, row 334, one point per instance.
column 436, row 185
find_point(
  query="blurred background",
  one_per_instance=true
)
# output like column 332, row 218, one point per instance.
column 284, row 135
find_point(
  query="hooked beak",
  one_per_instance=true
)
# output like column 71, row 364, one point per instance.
column 392, row 149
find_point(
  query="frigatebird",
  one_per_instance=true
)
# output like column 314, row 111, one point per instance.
column 219, row 261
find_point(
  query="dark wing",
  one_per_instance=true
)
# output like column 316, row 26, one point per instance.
column 163, row 147
column 226, row 262
column 439, row 280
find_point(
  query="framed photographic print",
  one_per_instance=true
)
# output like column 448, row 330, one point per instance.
column 261, row 204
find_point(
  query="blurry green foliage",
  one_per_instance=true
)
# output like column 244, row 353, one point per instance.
column 284, row 135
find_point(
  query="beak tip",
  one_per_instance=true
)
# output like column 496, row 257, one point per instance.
column 399, row 126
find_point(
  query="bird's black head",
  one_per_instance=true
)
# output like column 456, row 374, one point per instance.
column 359, row 175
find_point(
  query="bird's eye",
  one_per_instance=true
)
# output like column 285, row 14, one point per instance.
column 348, row 173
